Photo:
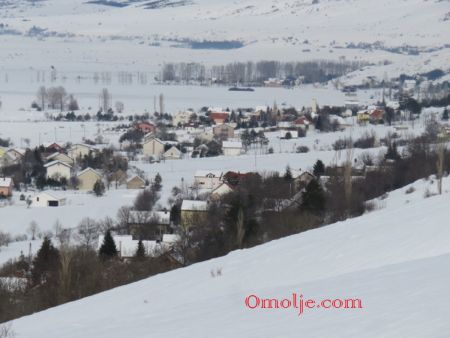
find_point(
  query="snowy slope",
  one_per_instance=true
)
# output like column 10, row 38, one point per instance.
column 75, row 31
column 393, row 260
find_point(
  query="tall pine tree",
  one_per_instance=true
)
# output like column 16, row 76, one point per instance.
column 108, row 248
column 140, row 251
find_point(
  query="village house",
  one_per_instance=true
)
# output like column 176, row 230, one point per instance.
column 193, row 212
column 220, row 191
column 57, row 156
column 136, row 182
column 208, row 179
column 153, row 147
column 303, row 180
column 232, row 148
column 173, row 153
column 14, row 155
column 6, row 186
column 376, row 116
column 182, row 118
column 302, row 122
column 80, row 150
column 223, row 132
column 149, row 225
column 362, row 117
column 58, row 169
column 48, row 199
column 145, row 127
column 87, row 179
column 219, row 117
column 53, row 147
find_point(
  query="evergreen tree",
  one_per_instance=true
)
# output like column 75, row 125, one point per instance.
column 288, row 174
column 313, row 198
column 46, row 264
column 445, row 115
column 99, row 188
column 392, row 153
column 140, row 251
column 108, row 248
column 157, row 183
column 319, row 168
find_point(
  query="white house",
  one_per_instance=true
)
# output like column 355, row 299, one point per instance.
column 173, row 154
column 48, row 199
column 182, row 118
column 208, row 179
column 58, row 169
column 232, row 148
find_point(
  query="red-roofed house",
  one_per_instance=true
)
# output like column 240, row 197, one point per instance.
column 376, row 116
column 218, row 118
column 145, row 127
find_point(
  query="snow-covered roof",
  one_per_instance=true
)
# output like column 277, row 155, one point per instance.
column 204, row 173
column 232, row 144
column 52, row 163
column 5, row 182
column 170, row 238
column 135, row 176
column 88, row 169
column 189, row 205
column 51, row 194
column 163, row 216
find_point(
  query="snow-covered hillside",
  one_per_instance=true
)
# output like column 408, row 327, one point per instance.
column 81, row 34
column 394, row 260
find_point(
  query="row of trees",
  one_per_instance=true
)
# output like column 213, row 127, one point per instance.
column 256, row 73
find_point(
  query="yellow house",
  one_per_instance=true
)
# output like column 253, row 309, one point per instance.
column 363, row 116
column 87, row 179
column 153, row 147
column 193, row 212
column 136, row 182
column 2, row 152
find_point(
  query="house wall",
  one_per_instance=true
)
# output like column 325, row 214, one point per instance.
column 192, row 217
column 153, row 147
column 172, row 154
column 5, row 191
column 87, row 180
column 63, row 158
column 135, row 183
column 232, row 151
column 79, row 151
column 224, row 132
column 208, row 182
column 58, row 170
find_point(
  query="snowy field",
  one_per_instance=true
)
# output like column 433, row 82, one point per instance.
column 391, row 259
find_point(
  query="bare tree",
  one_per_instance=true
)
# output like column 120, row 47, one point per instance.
column 57, row 97
column 105, row 100
column 42, row 97
column 161, row 104
column 120, row 107
column 87, row 232
column 62, row 235
column 440, row 165
column 33, row 230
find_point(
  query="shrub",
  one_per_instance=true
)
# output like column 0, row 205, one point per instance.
column 410, row 190
column 302, row 149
